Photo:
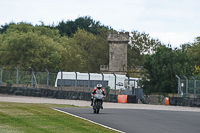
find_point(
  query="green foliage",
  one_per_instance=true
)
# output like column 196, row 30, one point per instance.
column 141, row 44
column 82, row 45
column 9, row 83
column 84, row 23
column 162, row 67
column 194, row 52
column 198, row 95
column 93, row 50
column 23, row 45
column 107, row 88
column 4, row 28
column 29, row 49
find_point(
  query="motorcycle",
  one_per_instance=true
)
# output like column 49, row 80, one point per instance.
column 97, row 101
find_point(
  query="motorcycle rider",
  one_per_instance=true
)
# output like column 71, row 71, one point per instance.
column 98, row 90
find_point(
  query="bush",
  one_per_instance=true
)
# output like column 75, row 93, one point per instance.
column 9, row 83
column 198, row 95
column 107, row 88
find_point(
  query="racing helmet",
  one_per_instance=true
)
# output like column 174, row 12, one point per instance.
column 99, row 86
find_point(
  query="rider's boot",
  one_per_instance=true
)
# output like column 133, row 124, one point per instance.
column 91, row 102
column 102, row 105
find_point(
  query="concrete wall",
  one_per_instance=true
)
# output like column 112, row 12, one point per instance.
column 75, row 95
column 183, row 101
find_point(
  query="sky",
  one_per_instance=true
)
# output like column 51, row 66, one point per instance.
column 173, row 22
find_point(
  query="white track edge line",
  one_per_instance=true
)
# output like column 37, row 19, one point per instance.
column 89, row 120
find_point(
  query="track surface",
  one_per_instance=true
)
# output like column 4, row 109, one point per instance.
column 142, row 121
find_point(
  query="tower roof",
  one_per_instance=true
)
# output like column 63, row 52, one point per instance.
column 118, row 37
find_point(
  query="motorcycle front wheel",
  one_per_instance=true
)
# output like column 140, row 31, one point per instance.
column 98, row 107
column 95, row 107
column 95, row 111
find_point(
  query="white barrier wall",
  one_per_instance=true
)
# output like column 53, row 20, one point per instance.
column 121, row 80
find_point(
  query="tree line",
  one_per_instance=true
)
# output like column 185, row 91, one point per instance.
column 23, row 45
column 82, row 45
column 79, row 45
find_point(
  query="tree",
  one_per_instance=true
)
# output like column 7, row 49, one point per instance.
column 161, row 68
column 4, row 27
column 72, row 58
column 26, row 50
column 24, row 46
column 27, row 27
column 85, row 23
column 140, row 45
column 194, row 50
column 94, row 50
column 144, row 43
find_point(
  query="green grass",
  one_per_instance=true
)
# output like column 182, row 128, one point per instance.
column 40, row 118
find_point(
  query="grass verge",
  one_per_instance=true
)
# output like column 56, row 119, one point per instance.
column 40, row 118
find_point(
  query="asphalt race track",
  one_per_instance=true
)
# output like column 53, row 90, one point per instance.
column 142, row 121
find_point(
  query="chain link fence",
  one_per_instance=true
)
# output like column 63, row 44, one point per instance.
column 27, row 79
column 188, row 87
column 84, row 82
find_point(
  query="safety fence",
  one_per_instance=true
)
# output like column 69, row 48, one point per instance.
column 47, row 80
column 188, row 87
column 28, row 79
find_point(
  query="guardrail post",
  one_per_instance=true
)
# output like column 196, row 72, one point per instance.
column 194, row 87
column 76, row 80
column 17, row 77
column 88, row 81
column 102, row 76
column 1, row 76
column 179, row 85
column 47, row 78
column 115, row 82
column 61, row 83
column 134, row 86
column 186, row 86
column 31, row 77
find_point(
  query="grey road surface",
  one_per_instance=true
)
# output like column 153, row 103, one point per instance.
column 26, row 99
column 142, row 121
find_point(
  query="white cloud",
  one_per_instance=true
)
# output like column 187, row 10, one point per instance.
column 172, row 21
column 173, row 38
